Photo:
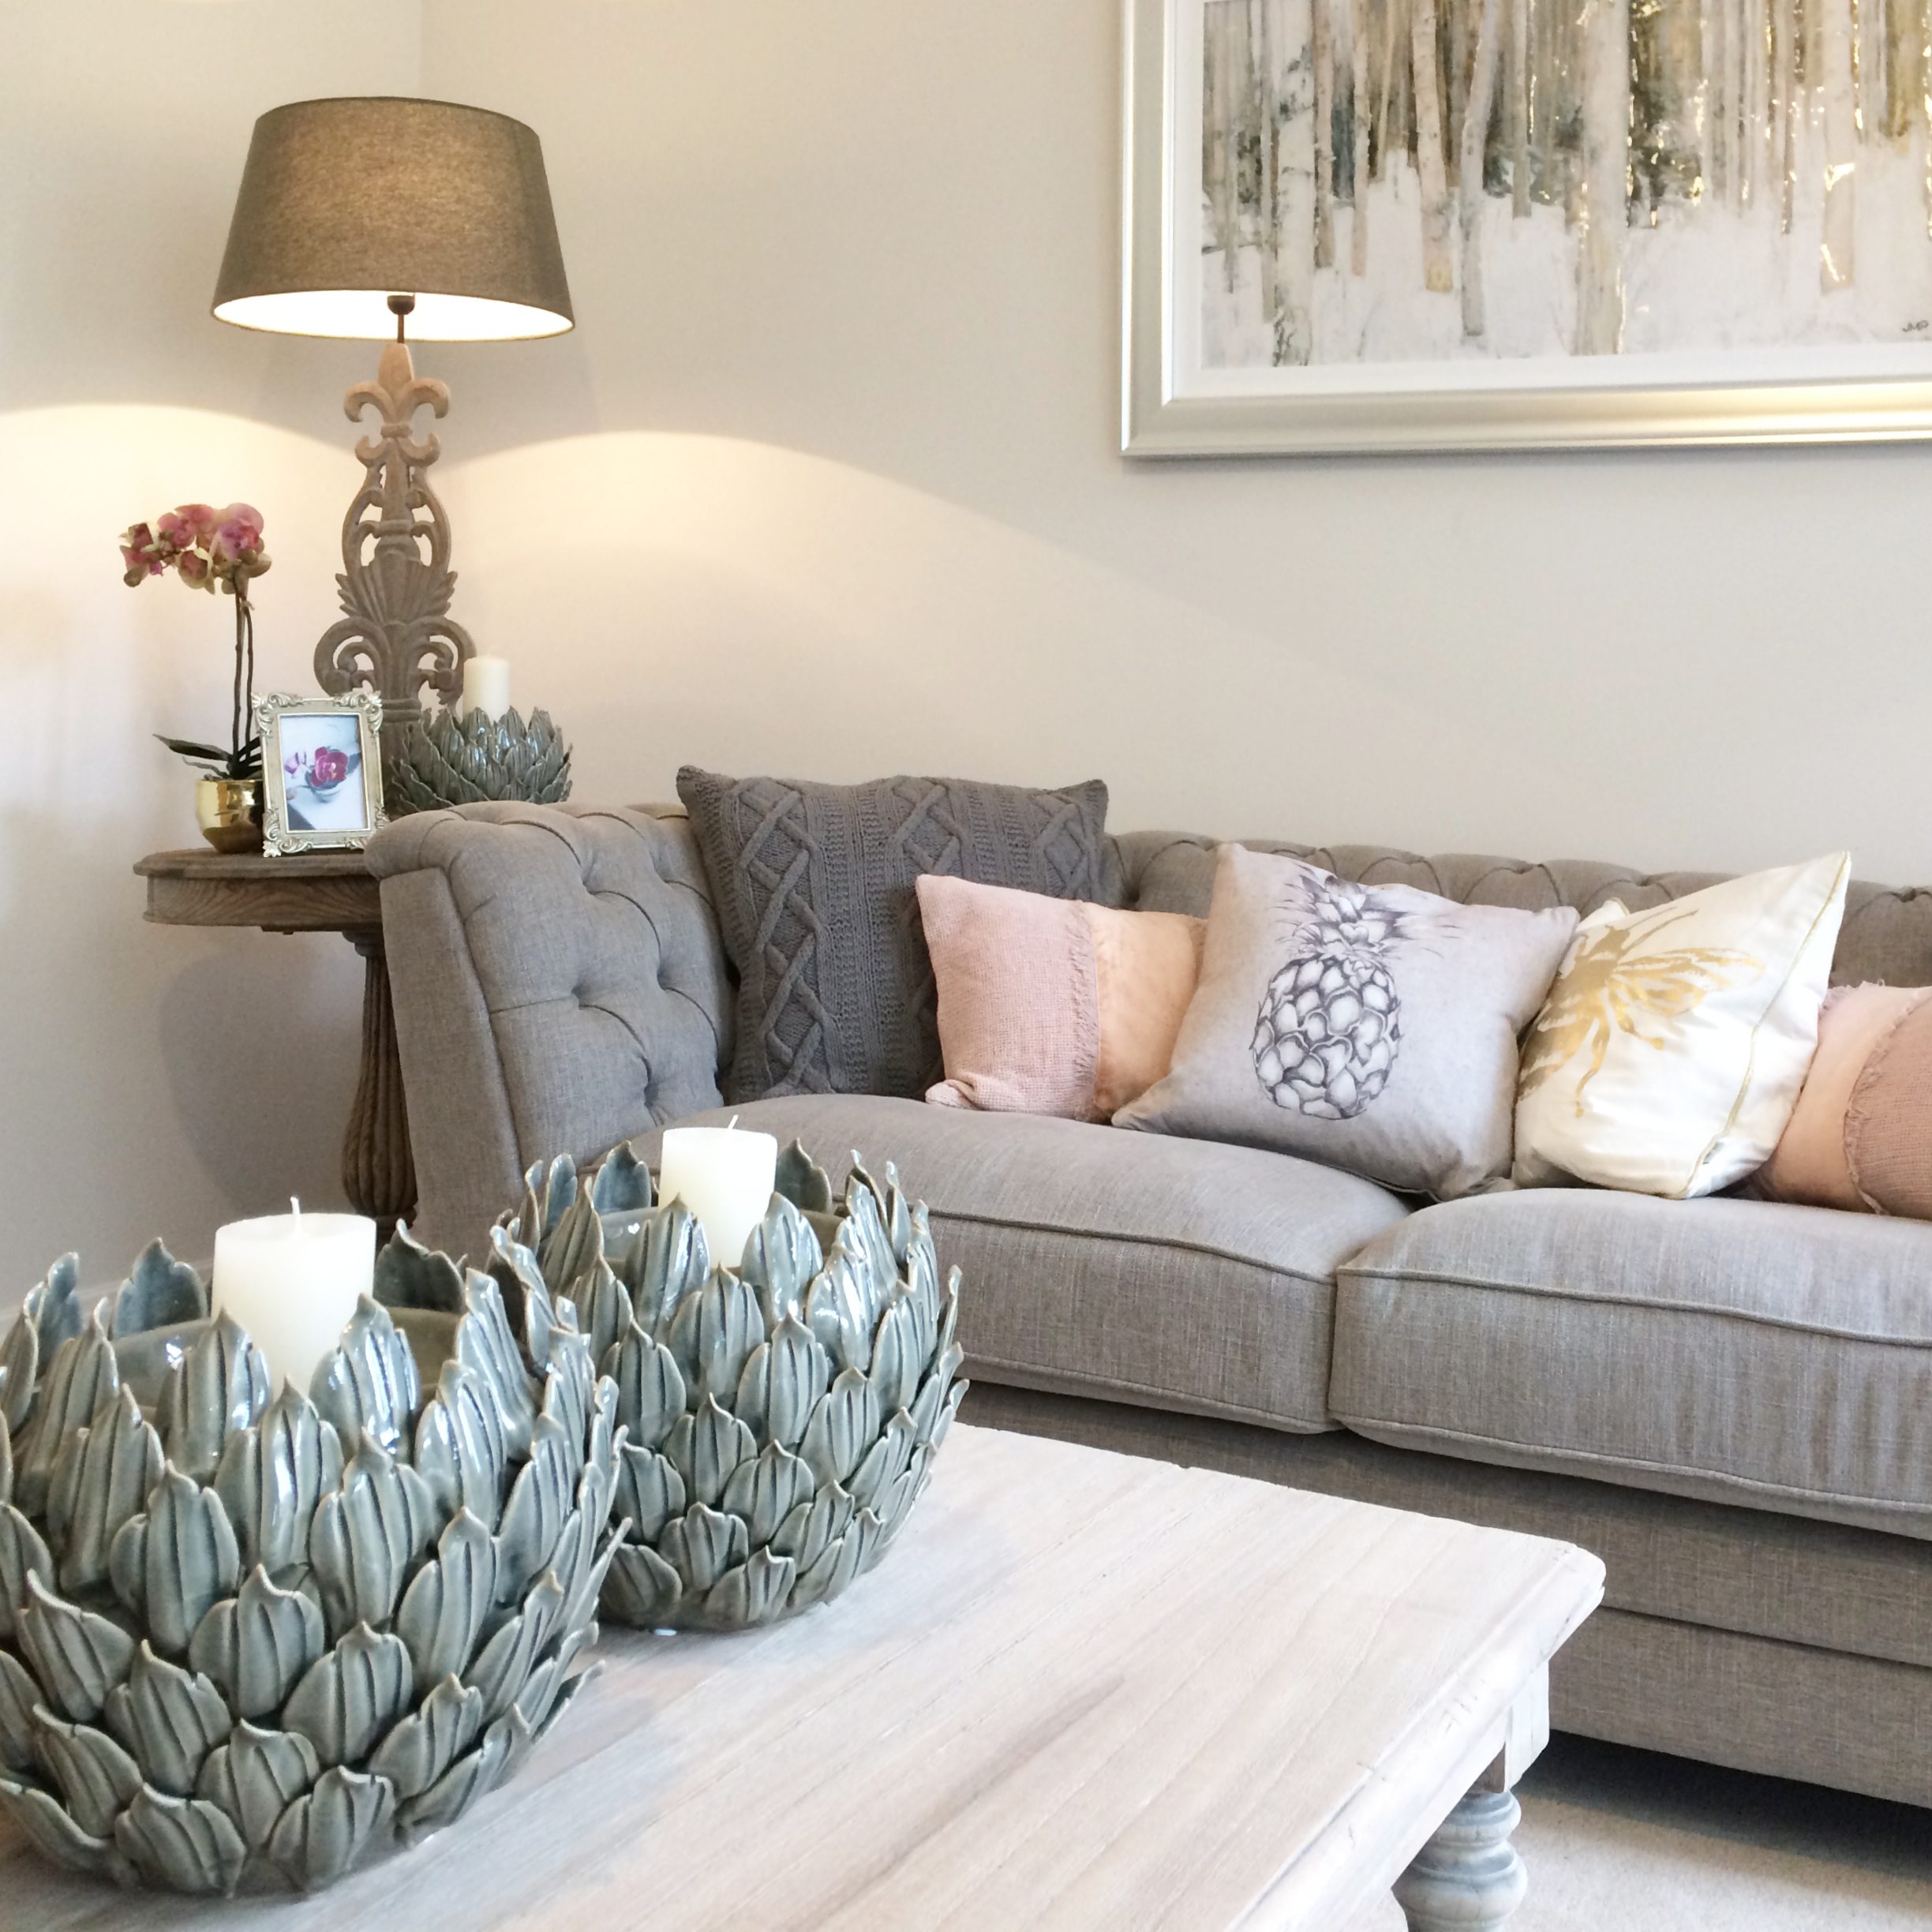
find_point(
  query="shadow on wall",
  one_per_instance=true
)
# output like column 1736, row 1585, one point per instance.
column 673, row 596
column 158, row 1081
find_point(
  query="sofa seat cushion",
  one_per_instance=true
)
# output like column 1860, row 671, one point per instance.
column 1168, row 1272
column 1742, row 1351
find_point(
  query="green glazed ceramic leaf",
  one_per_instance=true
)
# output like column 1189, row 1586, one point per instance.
column 271, row 1477
column 623, row 1184
column 324, row 1834
column 834, row 1570
column 574, row 1248
column 170, row 1719
column 603, row 1307
column 475, row 1775
column 838, row 1309
column 484, row 1344
column 79, row 1657
column 649, row 1490
column 81, row 1377
column 349, row 1698
column 425, row 1744
column 220, row 1388
column 705, row 1448
column 409, row 1276
column 256, row 1777
column 460, row 1450
column 897, row 1361
column 863, row 1235
column 780, row 1260
column 100, row 1482
column 257, row 1645
column 173, row 1564
column 567, row 1392
column 883, row 1463
column 701, row 1544
column 533, row 1519
column 670, row 1262
column 22, row 1554
column 159, row 1293
column 96, row 1777
column 752, row 1594
column 54, row 1834
column 183, row 1844
column 843, row 1427
column 803, row 1181
column 650, row 1388
column 6, row 1446
column 713, row 1334
column 642, row 1589
column 19, row 1694
column 367, row 1535
column 811, row 1528
column 766, row 1490
column 508, row 1658
column 447, row 1601
column 368, row 1385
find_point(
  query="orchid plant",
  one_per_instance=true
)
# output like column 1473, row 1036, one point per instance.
column 211, row 550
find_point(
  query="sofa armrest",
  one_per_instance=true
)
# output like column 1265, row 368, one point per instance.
column 559, row 985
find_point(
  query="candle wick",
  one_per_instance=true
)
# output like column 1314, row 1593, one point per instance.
column 730, row 1123
column 295, row 1208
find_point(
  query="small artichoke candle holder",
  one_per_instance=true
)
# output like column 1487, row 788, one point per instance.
column 779, row 1419
column 474, row 758
column 246, row 1641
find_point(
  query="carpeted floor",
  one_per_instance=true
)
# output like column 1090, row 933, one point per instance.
column 1626, row 1841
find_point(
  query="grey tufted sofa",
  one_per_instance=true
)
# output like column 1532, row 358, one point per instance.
column 1730, row 1401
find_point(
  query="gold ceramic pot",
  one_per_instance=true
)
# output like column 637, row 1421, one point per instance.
column 229, row 811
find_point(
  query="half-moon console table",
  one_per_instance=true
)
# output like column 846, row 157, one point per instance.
column 304, row 893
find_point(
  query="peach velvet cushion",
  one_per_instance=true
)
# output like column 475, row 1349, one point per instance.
column 1052, row 1005
column 1860, row 1136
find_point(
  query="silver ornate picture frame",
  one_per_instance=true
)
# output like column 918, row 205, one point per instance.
column 1464, row 299
column 321, row 771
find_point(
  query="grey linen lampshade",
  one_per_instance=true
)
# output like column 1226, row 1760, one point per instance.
column 345, row 202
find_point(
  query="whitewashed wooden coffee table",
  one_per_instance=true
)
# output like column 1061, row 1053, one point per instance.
column 1086, row 1690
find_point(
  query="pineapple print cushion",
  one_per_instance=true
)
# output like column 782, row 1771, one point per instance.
column 1373, row 1027
column 1673, row 1048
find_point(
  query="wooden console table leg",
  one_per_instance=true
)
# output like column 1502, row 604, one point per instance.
column 379, row 1172
column 1468, row 1877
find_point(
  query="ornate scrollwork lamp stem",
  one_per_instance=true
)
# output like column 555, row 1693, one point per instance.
column 396, row 633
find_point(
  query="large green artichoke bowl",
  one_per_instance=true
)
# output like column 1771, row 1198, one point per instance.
column 247, row 1640
column 779, row 1419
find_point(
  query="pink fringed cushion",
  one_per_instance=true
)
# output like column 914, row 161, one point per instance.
column 1050, row 1006
column 1860, row 1136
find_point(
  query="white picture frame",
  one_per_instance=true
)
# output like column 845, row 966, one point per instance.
column 321, row 771
column 1172, row 404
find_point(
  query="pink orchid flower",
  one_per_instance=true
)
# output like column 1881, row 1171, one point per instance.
column 140, row 554
column 188, row 527
column 195, row 569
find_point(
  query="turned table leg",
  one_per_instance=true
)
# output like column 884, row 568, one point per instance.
column 379, row 1173
column 1468, row 1877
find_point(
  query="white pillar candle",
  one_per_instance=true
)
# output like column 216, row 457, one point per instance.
column 723, row 1175
column 293, row 1282
column 486, row 686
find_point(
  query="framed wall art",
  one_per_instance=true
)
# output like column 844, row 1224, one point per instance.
column 1463, row 224
column 321, row 771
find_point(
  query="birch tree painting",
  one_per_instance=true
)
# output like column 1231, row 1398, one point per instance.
column 1432, row 180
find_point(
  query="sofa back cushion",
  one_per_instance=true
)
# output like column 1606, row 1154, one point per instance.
column 1886, row 935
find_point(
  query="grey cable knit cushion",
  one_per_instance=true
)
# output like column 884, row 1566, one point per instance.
column 814, row 888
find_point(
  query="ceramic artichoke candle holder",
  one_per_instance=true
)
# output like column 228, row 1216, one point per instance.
column 447, row 759
column 247, row 1639
column 779, row 1420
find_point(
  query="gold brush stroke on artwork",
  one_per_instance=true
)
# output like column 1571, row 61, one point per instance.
column 1606, row 992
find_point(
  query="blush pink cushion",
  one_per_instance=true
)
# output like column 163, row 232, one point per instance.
column 1860, row 1136
column 1051, row 1006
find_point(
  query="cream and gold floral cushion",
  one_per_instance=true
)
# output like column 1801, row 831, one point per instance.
column 1672, row 1049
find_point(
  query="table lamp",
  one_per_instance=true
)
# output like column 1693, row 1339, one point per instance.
column 375, row 218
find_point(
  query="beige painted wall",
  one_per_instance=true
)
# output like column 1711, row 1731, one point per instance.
column 826, row 480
